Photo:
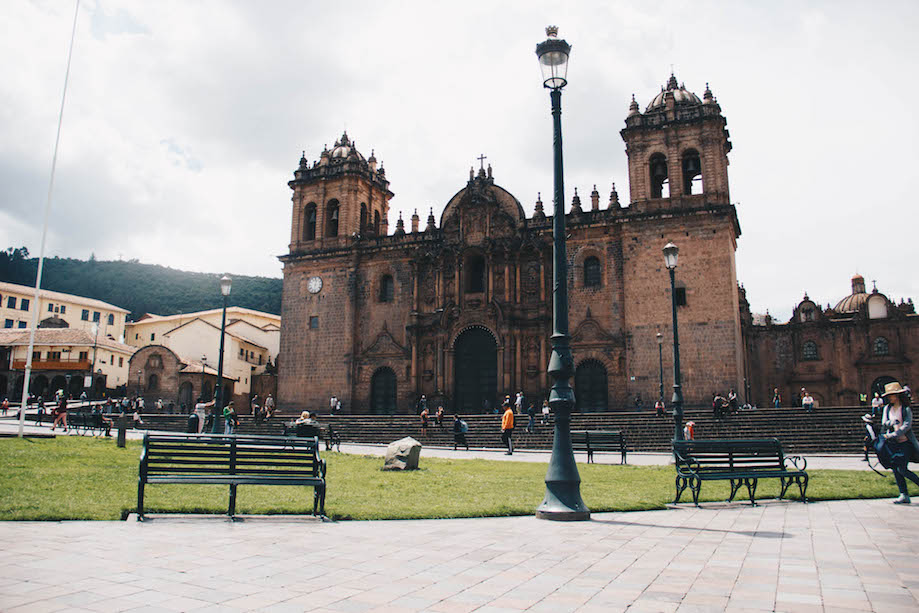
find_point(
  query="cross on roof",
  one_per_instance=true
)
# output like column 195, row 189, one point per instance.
column 481, row 160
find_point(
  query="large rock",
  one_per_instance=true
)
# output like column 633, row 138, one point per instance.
column 402, row 455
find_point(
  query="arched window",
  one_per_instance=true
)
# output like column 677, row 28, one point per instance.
column 309, row 227
column 387, row 289
column 331, row 226
column 376, row 223
column 363, row 227
column 660, row 183
column 111, row 319
column 592, row 272
column 881, row 346
column 692, row 172
column 809, row 350
column 475, row 274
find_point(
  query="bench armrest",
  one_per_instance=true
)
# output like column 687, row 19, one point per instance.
column 690, row 463
column 322, row 468
column 799, row 462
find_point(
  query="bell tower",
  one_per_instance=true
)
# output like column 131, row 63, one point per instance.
column 338, row 196
column 678, row 148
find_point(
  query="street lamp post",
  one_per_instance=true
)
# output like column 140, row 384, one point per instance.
column 203, row 366
column 225, row 285
column 660, row 364
column 563, row 483
column 670, row 258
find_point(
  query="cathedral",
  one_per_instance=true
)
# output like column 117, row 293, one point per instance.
column 460, row 309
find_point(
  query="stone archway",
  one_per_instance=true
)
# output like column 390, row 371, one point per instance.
column 39, row 386
column 475, row 371
column 383, row 391
column 591, row 386
column 58, row 383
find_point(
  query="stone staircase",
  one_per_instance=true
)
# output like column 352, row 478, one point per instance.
column 826, row 430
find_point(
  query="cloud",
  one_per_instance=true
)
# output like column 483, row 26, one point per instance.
column 184, row 121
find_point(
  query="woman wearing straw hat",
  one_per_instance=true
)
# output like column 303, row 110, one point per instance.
column 897, row 420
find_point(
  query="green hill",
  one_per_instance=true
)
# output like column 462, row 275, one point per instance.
column 140, row 288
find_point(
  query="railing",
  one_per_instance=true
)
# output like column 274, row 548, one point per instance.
column 60, row 364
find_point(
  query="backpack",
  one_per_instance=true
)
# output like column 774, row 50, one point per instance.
column 464, row 427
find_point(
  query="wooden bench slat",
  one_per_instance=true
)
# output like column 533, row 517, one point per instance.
column 232, row 460
column 740, row 461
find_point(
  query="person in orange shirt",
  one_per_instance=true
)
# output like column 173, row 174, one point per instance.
column 507, row 427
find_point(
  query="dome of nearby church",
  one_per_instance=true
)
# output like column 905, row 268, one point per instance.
column 344, row 148
column 681, row 96
column 854, row 301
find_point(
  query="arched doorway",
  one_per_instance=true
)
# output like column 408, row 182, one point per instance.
column 76, row 386
column 877, row 387
column 383, row 391
column 476, row 371
column 58, row 383
column 99, row 387
column 39, row 386
column 590, row 386
column 185, row 395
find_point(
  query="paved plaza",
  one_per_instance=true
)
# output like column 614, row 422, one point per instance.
column 780, row 556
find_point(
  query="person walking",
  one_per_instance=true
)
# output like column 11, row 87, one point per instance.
column 229, row 417
column 6, row 405
column 776, row 398
column 60, row 412
column 460, row 428
column 424, row 420
column 439, row 416
column 518, row 403
column 531, row 421
column 507, row 427
column 897, row 424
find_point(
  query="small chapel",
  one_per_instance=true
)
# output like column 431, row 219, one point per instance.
column 460, row 308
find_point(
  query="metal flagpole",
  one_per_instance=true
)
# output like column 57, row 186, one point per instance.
column 44, row 233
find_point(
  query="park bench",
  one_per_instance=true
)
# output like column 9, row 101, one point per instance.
column 740, row 461
column 85, row 421
column 599, row 440
column 232, row 460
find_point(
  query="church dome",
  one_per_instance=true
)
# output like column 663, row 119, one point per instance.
column 344, row 149
column 854, row 301
column 681, row 96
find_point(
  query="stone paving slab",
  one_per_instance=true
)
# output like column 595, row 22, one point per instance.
column 780, row 556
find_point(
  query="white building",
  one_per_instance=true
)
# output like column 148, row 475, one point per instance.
column 59, row 310
column 252, row 340
column 68, row 359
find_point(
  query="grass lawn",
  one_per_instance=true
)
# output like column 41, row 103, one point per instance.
column 85, row 478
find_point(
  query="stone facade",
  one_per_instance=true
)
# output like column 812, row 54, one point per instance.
column 159, row 373
column 836, row 353
column 461, row 310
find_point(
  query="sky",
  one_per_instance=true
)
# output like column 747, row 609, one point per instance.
column 184, row 121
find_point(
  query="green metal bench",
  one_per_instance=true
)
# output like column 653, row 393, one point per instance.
column 592, row 441
column 232, row 460
column 740, row 461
